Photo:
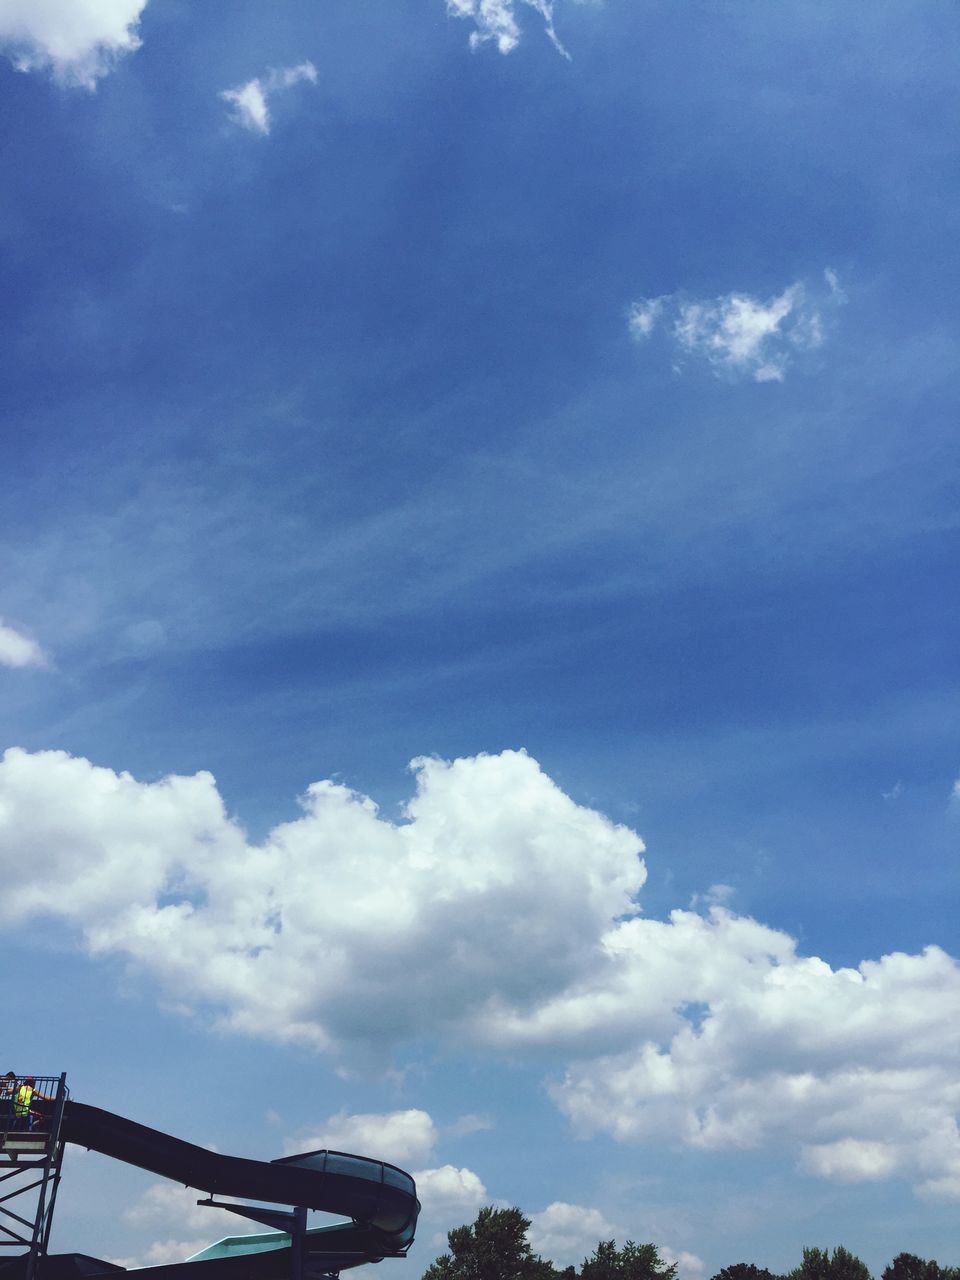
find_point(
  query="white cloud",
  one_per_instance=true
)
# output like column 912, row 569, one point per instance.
column 249, row 102
column 833, row 282
column 165, row 1205
column 165, row 1210
column 737, row 334
column 344, row 929
column 18, row 650
column 568, row 1233
column 399, row 1137
column 468, row 1124
column 850, row 1160
column 718, row 895
column 449, row 1193
column 643, row 315
column 496, row 21
column 78, row 41
column 771, row 1049
column 489, row 846
column 689, row 1265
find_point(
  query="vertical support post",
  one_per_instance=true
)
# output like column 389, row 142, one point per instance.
column 298, row 1231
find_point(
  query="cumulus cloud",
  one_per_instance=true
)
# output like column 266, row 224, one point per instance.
column 689, row 1265
column 249, row 102
column 163, row 1205
column 737, row 334
column 399, row 1137
column 495, row 21
column 850, row 1160
column 343, row 928
column 850, row 1067
column 568, row 1233
column 18, row 650
column 78, row 41
column 165, row 1211
column 449, row 1193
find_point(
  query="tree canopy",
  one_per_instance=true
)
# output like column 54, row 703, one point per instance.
column 745, row 1271
column 496, row 1246
column 820, row 1264
column 632, row 1262
column 907, row 1266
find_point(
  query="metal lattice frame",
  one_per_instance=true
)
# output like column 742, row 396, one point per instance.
column 31, row 1154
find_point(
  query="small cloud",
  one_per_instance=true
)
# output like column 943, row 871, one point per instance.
column 18, row 650
column 77, row 43
column 642, row 317
column 496, row 22
column 834, row 284
column 895, row 792
column 738, row 334
column 850, row 1160
column 718, row 895
column 249, row 102
column 449, row 1190
column 567, row 1232
column 689, row 1266
column 468, row 1124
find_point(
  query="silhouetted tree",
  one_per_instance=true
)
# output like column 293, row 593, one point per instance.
column 632, row 1262
column 907, row 1266
column 494, row 1247
column 745, row 1271
column 818, row 1264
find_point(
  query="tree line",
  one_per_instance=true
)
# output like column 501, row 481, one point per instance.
column 496, row 1247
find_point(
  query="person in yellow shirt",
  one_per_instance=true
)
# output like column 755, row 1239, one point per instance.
column 23, row 1113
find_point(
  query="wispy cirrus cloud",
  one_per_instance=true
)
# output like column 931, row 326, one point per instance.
column 495, row 22
column 738, row 334
column 250, row 102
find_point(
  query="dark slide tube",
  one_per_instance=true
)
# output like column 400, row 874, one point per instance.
column 380, row 1199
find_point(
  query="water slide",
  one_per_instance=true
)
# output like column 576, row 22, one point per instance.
column 379, row 1200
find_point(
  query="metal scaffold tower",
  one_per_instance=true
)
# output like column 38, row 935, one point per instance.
column 31, row 1154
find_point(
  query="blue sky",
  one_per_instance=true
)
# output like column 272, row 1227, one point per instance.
column 563, row 397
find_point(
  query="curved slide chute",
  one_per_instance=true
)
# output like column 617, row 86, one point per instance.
column 379, row 1199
